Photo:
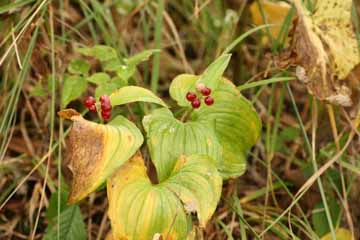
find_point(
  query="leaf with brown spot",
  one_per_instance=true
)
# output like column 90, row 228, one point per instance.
column 97, row 150
column 325, row 50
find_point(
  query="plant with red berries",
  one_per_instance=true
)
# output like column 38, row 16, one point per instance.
column 203, row 94
column 192, row 155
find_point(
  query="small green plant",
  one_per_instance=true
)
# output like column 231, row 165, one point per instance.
column 192, row 155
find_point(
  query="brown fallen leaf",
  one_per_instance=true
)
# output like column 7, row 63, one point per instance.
column 97, row 150
column 325, row 51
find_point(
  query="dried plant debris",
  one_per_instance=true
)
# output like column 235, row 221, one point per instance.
column 324, row 49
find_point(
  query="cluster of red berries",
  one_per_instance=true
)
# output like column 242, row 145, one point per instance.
column 205, row 92
column 104, row 103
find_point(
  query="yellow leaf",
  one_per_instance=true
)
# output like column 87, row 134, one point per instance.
column 325, row 50
column 341, row 234
column 140, row 210
column 97, row 150
column 275, row 13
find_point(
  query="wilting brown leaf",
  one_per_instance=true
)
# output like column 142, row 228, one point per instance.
column 274, row 13
column 97, row 150
column 325, row 50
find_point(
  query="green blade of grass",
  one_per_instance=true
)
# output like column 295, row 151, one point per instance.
column 314, row 163
column 243, row 36
column 14, row 5
column 265, row 82
column 156, row 59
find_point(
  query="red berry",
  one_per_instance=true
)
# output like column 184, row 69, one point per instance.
column 105, row 115
column 190, row 96
column 104, row 99
column 200, row 87
column 106, row 107
column 209, row 100
column 89, row 101
column 92, row 108
column 196, row 103
column 206, row 91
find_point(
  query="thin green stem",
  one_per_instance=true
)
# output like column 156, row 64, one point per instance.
column 158, row 34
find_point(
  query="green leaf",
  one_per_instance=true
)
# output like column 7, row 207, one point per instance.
column 319, row 220
column 101, row 52
column 119, row 82
column 139, row 210
column 237, row 126
column 79, row 66
column 180, row 86
column 105, row 89
column 140, row 57
column 212, row 75
column 51, row 212
column 168, row 138
column 99, row 78
column 112, row 65
column 72, row 226
column 131, row 94
column 97, row 150
column 126, row 71
column 73, row 87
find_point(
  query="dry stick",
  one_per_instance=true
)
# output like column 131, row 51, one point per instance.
column 51, row 139
column 178, row 42
column 16, row 49
column 102, row 226
column 42, row 197
column 21, row 32
column 311, row 181
column 334, row 130
column 25, row 178
column 313, row 178
column 344, row 198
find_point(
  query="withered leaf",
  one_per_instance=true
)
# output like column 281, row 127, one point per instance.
column 325, row 50
column 97, row 150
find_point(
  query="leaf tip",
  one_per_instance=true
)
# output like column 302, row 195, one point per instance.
column 68, row 113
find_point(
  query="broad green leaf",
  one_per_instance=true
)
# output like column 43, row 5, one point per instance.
column 131, row 94
column 73, row 87
column 105, row 89
column 213, row 73
column 112, row 65
column 101, row 52
column 180, row 86
column 119, row 82
column 97, row 150
column 196, row 181
column 79, row 66
column 140, row 210
column 168, row 138
column 99, row 78
column 211, row 77
column 341, row 234
column 72, row 226
column 140, row 57
column 126, row 71
column 237, row 126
